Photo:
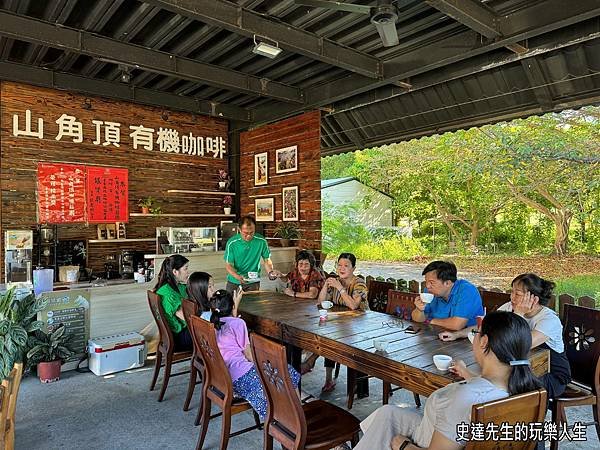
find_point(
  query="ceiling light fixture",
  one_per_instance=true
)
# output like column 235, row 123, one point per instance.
column 264, row 49
column 125, row 73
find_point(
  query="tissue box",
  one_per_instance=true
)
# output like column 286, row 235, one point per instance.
column 115, row 353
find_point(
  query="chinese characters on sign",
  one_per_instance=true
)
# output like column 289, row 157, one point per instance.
column 65, row 197
column 109, row 134
column 61, row 193
column 520, row 431
column 72, row 309
column 107, row 195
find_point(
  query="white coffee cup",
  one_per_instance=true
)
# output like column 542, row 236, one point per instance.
column 442, row 362
column 426, row 297
column 252, row 275
column 322, row 314
column 380, row 344
column 326, row 304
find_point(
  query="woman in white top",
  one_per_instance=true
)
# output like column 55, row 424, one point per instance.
column 529, row 296
column 500, row 348
column 200, row 289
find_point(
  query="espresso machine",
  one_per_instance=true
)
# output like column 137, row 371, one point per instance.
column 129, row 262
column 110, row 268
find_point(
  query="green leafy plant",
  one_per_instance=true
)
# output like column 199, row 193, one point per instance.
column 147, row 202
column 156, row 210
column 17, row 319
column 47, row 347
column 287, row 230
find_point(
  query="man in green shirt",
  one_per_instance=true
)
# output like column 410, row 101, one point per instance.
column 242, row 258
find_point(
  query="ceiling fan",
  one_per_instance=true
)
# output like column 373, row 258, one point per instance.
column 383, row 16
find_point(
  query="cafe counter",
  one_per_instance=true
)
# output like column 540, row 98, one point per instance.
column 121, row 308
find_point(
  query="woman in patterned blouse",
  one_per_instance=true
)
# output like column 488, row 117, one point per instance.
column 305, row 281
column 345, row 290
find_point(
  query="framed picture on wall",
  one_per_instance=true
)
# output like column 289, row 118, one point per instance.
column 261, row 166
column 264, row 209
column 286, row 159
column 290, row 203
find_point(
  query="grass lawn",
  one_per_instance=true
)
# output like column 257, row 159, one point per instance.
column 579, row 286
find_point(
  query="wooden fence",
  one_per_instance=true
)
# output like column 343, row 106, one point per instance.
column 416, row 287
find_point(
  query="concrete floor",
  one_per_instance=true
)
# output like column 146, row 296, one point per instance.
column 118, row 412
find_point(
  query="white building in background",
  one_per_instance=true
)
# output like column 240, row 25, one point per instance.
column 375, row 207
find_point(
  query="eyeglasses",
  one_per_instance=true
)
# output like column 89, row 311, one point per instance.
column 393, row 323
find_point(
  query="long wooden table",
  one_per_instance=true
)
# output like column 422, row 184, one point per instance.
column 347, row 337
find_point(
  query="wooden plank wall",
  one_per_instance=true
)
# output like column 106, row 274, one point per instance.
column 305, row 132
column 151, row 173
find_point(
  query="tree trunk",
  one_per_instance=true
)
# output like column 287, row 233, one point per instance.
column 474, row 234
column 562, row 221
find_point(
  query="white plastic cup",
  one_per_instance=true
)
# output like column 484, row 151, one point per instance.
column 442, row 362
column 322, row 314
column 380, row 344
column 426, row 297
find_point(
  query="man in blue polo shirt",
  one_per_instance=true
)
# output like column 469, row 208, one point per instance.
column 456, row 303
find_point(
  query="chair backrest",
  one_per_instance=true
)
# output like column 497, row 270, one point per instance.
column 167, row 342
column 581, row 335
column 529, row 407
column 404, row 301
column 190, row 308
column 492, row 300
column 378, row 294
column 217, row 380
column 285, row 419
column 8, row 398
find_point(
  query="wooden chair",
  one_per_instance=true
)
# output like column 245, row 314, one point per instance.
column 492, row 300
column 8, row 397
column 528, row 408
column 378, row 294
column 166, row 346
column 217, row 387
column 190, row 308
column 405, row 303
column 315, row 425
column 581, row 335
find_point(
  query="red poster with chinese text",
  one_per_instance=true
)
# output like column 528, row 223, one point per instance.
column 61, row 193
column 107, row 193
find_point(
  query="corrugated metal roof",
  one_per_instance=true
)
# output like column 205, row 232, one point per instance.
column 456, row 66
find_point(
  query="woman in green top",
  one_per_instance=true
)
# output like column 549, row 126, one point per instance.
column 171, row 287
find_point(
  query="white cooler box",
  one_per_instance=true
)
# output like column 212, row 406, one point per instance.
column 111, row 354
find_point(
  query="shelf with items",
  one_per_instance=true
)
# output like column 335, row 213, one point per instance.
column 179, row 215
column 102, row 241
column 185, row 191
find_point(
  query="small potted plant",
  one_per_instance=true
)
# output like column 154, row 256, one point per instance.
column 227, row 201
column 145, row 204
column 224, row 180
column 48, row 351
column 286, row 231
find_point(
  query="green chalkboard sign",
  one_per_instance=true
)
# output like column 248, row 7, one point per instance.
column 72, row 308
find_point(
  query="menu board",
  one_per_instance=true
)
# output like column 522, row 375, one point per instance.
column 61, row 193
column 72, row 308
column 107, row 192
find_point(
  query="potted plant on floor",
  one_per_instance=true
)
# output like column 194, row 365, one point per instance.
column 145, row 204
column 227, row 201
column 49, row 351
column 286, row 231
column 17, row 318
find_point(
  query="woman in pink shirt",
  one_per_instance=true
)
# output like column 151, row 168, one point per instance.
column 233, row 342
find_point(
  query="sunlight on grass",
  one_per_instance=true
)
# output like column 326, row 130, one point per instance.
column 579, row 286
